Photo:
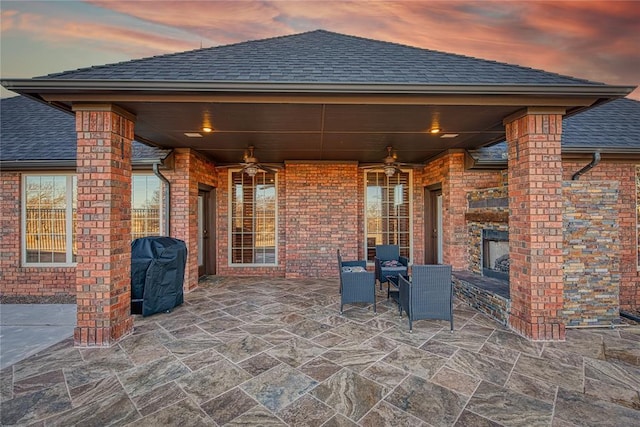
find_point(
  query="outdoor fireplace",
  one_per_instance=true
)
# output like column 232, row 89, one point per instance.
column 495, row 254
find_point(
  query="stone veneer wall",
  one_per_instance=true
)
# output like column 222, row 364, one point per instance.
column 625, row 173
column 485, row 301
column 591, row 253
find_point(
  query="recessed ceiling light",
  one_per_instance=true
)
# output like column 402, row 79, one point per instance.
column 434, row 130
column 449, row 135
column 207, row 129
column 193, row 134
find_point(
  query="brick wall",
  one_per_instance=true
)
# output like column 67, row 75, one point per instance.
column 449, row 171
column 418, row 216
column 14, row 279
column 323, row 214
column 591, row 253
column 624, row 173
column 190, row 169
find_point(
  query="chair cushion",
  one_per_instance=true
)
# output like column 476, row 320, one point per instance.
column 390, row 263
column 355, row 269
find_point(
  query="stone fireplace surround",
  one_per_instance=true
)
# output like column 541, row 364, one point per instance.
column 591, row 250
column 488, row 214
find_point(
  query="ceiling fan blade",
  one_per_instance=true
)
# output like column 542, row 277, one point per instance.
column 266, row 168
column 410, row 165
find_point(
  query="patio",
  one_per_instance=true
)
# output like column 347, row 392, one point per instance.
column 254, row 351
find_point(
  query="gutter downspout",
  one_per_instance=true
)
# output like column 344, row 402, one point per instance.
column 166, row 198
column 587, row 168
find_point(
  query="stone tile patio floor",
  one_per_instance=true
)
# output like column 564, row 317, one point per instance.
column 263, row 352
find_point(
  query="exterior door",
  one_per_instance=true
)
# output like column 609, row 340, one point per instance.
column 433, row 226
column 206, row 239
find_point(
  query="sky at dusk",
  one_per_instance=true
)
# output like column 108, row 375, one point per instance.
column 595, row 40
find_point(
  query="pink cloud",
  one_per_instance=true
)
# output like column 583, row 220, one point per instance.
column 595, row 40
column 63, row 31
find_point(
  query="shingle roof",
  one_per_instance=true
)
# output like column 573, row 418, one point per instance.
column 614, row 125
column 32, row 131
column 611, row 127
column 320, row 57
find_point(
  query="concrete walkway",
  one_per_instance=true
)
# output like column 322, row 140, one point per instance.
column 26, row 329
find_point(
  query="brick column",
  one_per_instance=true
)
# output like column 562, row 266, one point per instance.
column 535, row 223
column 184, row 212
column 103, row 229
column 454, row 195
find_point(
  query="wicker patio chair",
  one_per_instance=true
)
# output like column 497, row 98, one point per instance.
column 356, row 286
column 388, row 262
column 429, row 295
column 352, row 263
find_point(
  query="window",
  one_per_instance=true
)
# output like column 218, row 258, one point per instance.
column 253, row 218
column 387, row 212
column 145, row 206
column 49, row 213
column 49, row 219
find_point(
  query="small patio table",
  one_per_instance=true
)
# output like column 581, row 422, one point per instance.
column 393, row 289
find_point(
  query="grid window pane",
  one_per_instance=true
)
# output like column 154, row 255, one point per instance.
column 387, row 213
column 253, row 218
column 145, row 206
column 48, row 214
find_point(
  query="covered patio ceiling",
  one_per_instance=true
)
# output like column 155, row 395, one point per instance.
column 319, row 127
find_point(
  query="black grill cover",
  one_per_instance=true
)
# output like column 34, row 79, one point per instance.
column 157, row 274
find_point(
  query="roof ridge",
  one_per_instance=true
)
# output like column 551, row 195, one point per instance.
column 228, row 61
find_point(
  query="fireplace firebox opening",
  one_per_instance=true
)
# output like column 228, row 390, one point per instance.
column 495, row 254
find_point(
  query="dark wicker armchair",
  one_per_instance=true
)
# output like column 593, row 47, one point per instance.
column 353, row 263
column 356, row 286
column 429, row 295
column 388, row 262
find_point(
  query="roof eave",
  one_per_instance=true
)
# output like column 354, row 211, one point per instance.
column 68, row 164
column 576, row 153
column 31, row 86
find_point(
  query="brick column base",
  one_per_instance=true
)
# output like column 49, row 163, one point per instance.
column 102, row 337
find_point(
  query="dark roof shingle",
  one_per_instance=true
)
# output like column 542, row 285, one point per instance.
column 611, row 127
column 31, row 131
column 321, row 57
column 614, row 125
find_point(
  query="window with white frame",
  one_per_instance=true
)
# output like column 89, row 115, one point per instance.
column 387, row 212
column 252, row 218
column 145, row 206
column 49, row 216
column 48, row 210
